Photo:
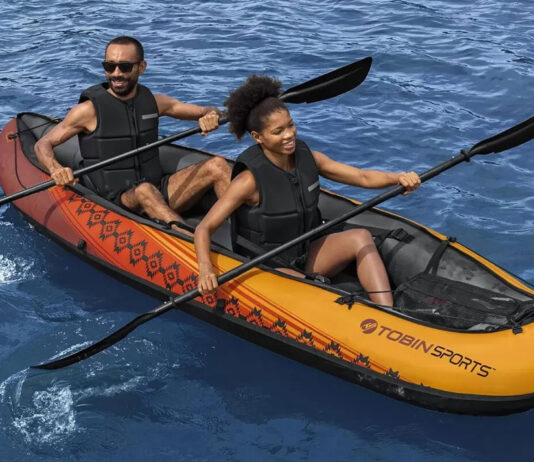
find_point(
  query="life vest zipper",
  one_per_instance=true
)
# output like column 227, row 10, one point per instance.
column 132, row 117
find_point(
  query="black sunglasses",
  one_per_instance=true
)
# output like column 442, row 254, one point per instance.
column 125, row 66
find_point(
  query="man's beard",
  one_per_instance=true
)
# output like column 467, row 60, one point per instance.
column 122, row 91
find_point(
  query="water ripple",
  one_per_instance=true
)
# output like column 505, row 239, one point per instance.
column 446, row 74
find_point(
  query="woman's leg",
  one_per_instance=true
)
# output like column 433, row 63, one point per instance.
column 330, row 254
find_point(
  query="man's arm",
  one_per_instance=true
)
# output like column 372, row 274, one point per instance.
column 372, row 179
column 207, row 116
column 81, row 118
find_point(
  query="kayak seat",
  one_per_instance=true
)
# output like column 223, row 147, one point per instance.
column 69, row 155
column 173, row 158
column 348, row 282
column 195, row 214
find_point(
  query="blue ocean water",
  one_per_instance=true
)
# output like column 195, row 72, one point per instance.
column 446, row 75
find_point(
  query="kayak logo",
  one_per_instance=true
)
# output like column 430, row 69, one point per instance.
column 368, row 326
column 454, row 358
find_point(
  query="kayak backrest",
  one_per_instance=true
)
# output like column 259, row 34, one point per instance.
column 68, row 153
column 173, row 158
column 36, row 125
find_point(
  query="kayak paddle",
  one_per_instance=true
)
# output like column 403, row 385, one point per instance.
column 519, row 134
column 321, row 88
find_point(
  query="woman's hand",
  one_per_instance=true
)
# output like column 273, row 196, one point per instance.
column 207, row 279
column 410, row 181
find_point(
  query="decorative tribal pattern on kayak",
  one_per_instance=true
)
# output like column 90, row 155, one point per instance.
column 455, row 340
column 171, row 263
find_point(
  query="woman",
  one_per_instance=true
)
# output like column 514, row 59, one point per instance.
column 275, row 190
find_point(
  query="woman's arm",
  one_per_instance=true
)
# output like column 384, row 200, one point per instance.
column 372, row 179
column 242, row 190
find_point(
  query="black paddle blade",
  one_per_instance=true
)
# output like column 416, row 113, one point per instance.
column 106, row 342
column 329, row 85
column 518, row 134
column 323, row 87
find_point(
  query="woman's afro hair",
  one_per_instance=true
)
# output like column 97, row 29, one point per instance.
column 252, row 102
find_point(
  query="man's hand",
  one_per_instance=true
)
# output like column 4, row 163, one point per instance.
column 63, row 176
column 209, row 122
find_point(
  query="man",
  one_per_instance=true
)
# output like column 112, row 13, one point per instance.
column 121, row 115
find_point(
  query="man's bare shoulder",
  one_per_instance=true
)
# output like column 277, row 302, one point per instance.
column 164, row 103
column 82, row 117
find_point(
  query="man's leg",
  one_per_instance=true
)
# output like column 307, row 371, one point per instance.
column 146, row 198
column 187, row 186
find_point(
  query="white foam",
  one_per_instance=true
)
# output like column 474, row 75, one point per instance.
column 50, row 416
column 14, row 270
column 111, row 390
column 49, row 419
column 47, row 416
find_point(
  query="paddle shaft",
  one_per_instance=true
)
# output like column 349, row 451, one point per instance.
column 241, row 269
column 320, row 88
column 518, row 134
column 104, row 163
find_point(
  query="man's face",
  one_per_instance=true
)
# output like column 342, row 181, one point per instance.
column 122, row 83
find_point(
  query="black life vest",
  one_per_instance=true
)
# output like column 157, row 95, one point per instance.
column 288, row 202
column 121, row 127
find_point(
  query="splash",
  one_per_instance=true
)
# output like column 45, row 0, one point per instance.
column 14, row 270
column 18, row 380
column 46, row 419
column 50, row 418
column 43, row 415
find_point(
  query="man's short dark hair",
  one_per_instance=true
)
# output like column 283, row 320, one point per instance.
column 125, row 40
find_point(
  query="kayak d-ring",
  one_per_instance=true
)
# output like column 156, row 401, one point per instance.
column 81, row 245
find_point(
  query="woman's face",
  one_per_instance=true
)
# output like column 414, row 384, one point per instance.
column 278, row 134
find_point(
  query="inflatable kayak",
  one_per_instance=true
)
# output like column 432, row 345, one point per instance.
column 458, row 338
